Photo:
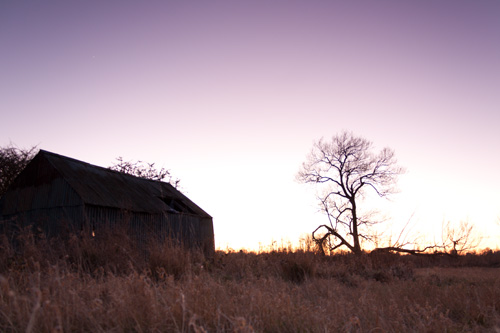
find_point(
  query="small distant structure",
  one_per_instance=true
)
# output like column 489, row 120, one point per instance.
column 61, row 195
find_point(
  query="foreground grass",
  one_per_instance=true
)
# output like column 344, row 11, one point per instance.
column 83, row 285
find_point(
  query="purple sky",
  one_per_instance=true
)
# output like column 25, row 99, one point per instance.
column 230, row 95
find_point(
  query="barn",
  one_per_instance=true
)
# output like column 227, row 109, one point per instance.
column 61, row 195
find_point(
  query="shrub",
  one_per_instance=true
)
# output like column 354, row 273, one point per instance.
column 12, row 161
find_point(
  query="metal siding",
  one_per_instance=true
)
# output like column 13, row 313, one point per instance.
column 186, row 229
column 53, row 221
column 58, row 193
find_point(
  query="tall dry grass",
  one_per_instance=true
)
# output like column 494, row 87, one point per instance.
column 111, row 284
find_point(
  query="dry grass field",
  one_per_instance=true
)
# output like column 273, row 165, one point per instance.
column 108, row 285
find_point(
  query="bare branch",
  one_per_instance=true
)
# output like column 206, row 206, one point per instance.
column 397, row 243
column 144, row 170
column 403, row 250
column 458, row 239
column 12, row 161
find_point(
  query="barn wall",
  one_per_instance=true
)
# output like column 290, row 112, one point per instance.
column 189, row 230
column 49, row 204
column 207, row 236
column 52, row 221
column 42, row 196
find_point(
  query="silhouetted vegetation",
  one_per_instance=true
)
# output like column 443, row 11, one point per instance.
column 109, row 283
column 345, row 169
column 12, row 161
column 144, row 170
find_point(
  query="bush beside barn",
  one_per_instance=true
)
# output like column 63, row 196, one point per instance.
column 60, row 195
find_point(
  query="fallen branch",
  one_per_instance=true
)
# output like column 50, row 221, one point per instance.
column 421, row 252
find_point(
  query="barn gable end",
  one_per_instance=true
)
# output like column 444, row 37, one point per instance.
column 63, row 194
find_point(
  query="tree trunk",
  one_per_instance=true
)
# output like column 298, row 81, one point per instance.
column 355, row 234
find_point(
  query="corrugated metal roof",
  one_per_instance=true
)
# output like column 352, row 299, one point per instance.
column 104, row 187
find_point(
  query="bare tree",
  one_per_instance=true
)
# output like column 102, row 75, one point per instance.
column 144, row 170
column 345, row 168
column 12, row 161
column 461, row 238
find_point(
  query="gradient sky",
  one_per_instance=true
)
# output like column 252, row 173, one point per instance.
column 230, row 95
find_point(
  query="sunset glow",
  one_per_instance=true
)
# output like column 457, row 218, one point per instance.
column 230, row 96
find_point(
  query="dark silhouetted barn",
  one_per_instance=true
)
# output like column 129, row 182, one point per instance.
column 60, row 195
